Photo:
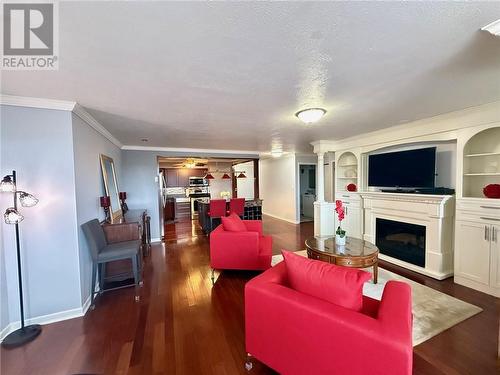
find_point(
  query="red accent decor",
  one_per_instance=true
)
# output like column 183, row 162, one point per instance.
column 295, row 333
column 339, row 285
column 217, row 208
column 233, row 223
column 248, row 250
column 492, row 191
column 122, row 195
column 237, row 205
column 105, row 202
column 351, row 187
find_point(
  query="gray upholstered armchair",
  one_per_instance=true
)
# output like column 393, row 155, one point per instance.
column 102, row 253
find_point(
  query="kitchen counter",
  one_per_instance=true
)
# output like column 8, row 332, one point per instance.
column 253, row 211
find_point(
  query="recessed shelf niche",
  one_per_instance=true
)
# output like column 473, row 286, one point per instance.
column 347, row 171
column 481, row 162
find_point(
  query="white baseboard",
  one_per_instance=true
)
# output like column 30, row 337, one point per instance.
column 281, row 218
column 47, row 319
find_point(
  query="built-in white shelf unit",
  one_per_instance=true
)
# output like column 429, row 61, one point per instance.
column 481, row 162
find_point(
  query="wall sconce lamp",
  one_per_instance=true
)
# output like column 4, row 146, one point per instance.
column 12, row 216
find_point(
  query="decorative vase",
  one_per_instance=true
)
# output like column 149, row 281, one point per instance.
column 340, row 240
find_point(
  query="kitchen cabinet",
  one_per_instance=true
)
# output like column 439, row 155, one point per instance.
column 171, row 175
column 179, row 177
column 183, row 175
column 169, row 209
column 477, row 245
column 182, row 208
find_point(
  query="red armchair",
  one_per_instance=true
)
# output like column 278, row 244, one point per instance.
column 249, row 250
column 294, row 333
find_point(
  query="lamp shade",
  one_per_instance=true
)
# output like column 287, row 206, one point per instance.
column 11, row 216
column 209, row 176
column 123, row 195
column 241, row 175
column 105, row 202
column 27, row 200
column 225, row 176
column 7, row 185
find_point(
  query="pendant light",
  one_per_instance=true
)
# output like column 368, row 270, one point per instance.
column 225, row 176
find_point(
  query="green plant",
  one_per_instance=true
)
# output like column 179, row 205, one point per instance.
column 340, row 232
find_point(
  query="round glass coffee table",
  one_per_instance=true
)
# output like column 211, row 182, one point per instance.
column 355, row 253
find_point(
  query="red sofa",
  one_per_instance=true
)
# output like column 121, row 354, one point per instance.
column 294, row 333
column 249, row 250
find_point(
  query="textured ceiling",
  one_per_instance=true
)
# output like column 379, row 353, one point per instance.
column 231, row 75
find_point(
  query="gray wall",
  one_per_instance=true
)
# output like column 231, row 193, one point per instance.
column 38, row 144
column 139, row 174
column 4, row 307
column 88, row 144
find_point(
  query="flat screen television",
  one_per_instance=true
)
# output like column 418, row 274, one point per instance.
column 408, row 169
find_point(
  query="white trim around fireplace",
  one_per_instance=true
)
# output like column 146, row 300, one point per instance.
column 435, row 212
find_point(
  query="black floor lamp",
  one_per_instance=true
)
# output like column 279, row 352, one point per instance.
column 12, row 216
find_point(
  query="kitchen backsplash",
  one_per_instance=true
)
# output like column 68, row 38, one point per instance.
column 174, row 191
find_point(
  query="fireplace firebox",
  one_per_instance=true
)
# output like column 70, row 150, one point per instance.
column 403, row 241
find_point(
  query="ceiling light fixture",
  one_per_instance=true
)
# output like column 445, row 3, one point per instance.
column 492, row 28
column 241, row 175
column 225, row 176
column 310, row 115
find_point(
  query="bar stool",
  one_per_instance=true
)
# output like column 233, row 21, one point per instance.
column 237, row 205
column 216, row 210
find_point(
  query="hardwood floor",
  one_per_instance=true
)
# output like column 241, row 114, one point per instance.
column 183, row 325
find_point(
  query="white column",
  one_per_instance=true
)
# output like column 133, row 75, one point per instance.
column 324, row 224
column 320, row 184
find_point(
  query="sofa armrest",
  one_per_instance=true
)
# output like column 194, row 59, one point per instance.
column 254, row 226
column 395, row 310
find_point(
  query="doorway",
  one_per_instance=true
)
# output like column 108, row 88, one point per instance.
column 307, row 191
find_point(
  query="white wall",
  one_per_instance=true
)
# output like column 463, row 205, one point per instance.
column 38, row 144
column 245, row 186
column 88, row 145
column 277, row 187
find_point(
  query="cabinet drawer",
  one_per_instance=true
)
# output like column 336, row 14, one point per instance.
column 348, row 196
column 486, row 209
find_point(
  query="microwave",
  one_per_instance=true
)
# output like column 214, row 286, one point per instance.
column 197, row 181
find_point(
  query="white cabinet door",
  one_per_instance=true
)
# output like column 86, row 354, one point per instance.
column 472, row 251
column 352, row 223
column 495, row 256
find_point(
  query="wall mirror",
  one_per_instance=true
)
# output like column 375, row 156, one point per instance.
column 111, row 185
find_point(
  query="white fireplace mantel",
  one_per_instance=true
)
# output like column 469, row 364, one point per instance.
column 435, row 212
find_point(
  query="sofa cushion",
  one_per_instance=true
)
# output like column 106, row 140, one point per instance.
column 336, row 284
column 233, row 223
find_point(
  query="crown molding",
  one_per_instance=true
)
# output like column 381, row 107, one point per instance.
column 191, row 150
column 42, row 103
column 93, row 123
column 60, row 105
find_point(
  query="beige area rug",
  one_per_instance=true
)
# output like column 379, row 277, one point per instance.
column 433, row 311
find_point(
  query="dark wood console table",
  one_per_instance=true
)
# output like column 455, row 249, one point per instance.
column 134, row 225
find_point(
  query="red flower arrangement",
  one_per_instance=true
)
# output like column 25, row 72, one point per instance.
column 339, row 209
